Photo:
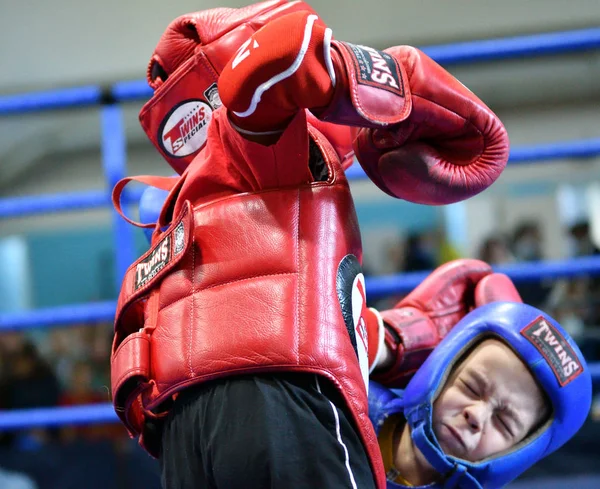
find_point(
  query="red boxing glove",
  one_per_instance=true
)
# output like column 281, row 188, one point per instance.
column 282, row 68
column 426, row 138
column 416, row 325
column 184, row 70
column 496, row 287
column 450, row 147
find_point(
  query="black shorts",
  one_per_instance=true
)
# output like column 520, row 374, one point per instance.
column 280, row 430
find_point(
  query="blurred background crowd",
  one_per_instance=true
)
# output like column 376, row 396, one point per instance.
column 70, row 366
column 575, row 302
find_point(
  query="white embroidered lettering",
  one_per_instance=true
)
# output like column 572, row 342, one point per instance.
column 571, row 367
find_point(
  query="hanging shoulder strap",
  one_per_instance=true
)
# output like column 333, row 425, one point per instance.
column 163, row 183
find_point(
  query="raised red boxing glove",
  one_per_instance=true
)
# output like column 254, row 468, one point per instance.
column 429, row 139
column 416, row 325
column 280, row 70
column 450, row 147
column 184, row 70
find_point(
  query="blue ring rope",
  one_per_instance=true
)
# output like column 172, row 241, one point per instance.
column 376, row 287
column 455, row 53
column 60, row 316
column 50, row 99
column 516, row 47
column 57, row 416
column 11, row 207
column 97, row 413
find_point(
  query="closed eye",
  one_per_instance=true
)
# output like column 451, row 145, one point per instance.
column 470, row 388
column 505, row 425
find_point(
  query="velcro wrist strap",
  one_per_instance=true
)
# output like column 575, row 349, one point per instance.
column 411, row 336
column 373, row 91
column 176, row 118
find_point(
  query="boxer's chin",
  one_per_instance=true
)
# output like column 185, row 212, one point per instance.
column 449, row 440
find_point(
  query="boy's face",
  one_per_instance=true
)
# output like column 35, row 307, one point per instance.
column 490, row 403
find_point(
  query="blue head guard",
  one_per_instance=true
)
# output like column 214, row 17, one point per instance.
column 554, row 360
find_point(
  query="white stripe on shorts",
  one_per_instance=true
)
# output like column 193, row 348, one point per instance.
column 339, row 437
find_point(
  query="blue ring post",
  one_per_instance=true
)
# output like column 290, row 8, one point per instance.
column 114, row 157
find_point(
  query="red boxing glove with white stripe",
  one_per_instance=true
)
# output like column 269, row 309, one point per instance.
column 426, row 138
column 277, row 72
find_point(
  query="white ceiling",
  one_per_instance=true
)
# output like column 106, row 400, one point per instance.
column 70, row 43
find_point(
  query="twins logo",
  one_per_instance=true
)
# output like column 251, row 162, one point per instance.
column 555, row 349
column 150, row 265
column 350, row 285
column 376, row 68
column 158, row 258
column 184, row 130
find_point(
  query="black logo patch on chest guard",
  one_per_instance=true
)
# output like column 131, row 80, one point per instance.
column 350, row 286
column 159, row 256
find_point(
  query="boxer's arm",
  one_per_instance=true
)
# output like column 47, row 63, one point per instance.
column 407, row 333
column 429, row 139
column 400, row 339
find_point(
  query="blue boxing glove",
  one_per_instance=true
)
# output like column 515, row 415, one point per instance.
column 151, row 204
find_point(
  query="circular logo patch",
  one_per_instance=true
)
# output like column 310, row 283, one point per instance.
column 183, row 131
column 350, row 285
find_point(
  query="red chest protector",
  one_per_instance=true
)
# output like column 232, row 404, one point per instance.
column 258, row 281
